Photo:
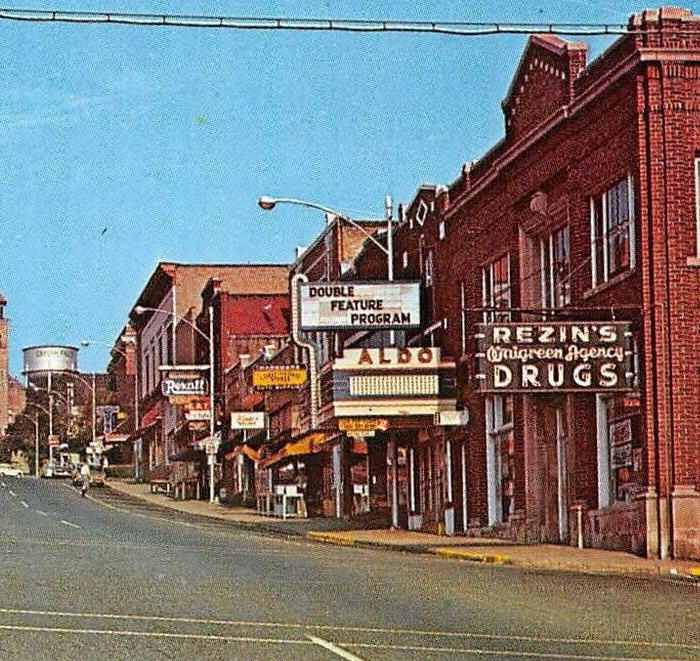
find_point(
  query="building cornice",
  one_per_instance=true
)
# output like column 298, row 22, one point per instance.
column 554, row 121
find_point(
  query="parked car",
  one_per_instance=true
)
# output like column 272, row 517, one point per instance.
column 62, row 470
column 10, row 470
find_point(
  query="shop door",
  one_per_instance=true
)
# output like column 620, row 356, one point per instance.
column 548, row 472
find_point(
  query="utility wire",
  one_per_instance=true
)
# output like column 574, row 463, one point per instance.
column 458, row 28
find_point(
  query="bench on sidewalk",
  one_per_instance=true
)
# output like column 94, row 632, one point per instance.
column 160, row 480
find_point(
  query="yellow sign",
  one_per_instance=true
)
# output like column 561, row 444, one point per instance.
column 362, row 425
column 279, row 377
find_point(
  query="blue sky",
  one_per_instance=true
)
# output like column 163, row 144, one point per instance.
column 165, row 137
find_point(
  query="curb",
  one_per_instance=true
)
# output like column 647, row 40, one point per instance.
column 330, row 538
column 461, row 554
column 451, row 552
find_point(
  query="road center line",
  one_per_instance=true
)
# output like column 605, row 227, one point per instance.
column 160, row 634
column 12, row 493
column 68, row 523
column 506, row 653
column 40, row 512
column 347, row 629
column 25, row 503
column 338, row 651
column 299, row 641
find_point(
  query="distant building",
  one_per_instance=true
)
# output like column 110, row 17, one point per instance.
column 168, row 336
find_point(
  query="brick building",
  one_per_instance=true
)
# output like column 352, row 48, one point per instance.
column 584, row 218
column 164, row 319
column 586, row 211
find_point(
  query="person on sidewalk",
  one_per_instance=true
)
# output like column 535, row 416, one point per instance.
column 85, row 475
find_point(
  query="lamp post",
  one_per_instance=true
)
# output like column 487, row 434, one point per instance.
column 36, row 438
column 139, row 309
column 268, row 203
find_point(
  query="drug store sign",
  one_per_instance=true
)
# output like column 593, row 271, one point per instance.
column 554, row 357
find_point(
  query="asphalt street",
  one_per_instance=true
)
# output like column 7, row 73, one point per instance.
column 80, row 579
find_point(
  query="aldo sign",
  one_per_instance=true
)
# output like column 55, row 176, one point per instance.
column 554, row 357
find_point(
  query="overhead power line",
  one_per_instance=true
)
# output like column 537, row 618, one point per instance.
column 458, row 28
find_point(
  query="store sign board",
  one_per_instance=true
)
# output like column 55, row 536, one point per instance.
column 248, row 420
column 183, row 386
column 197, row 414
column 279, row 377
column 362, row 425
column 452, row 418
column 211, row 446
column 360, row 305
column 555, row 357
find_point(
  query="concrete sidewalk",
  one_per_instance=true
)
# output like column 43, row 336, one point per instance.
column 478, row 549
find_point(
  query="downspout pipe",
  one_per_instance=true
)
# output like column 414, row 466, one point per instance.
column 295, row 284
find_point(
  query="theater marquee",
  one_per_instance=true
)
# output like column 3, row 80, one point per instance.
column 392, row 382
column 555, row 357
column 359, row 305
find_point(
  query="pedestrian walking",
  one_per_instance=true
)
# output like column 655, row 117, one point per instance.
column 85, row 475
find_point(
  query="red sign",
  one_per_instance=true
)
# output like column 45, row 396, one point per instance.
column 54, row 441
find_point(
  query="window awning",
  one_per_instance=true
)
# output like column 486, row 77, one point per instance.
column 143, row 429
column 249, row 452
column 309, row 444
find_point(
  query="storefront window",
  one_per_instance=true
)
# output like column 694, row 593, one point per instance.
column 500, row 466
column 620, row 469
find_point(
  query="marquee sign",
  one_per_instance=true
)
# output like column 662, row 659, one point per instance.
column 359, row 305
column 279, row 377
column 555, row 357
column 392, row 381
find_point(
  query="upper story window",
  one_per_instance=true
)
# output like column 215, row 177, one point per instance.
column 612, row 232
column 495, row 283
column 555, row 255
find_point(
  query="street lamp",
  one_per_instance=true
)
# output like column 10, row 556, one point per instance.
column 36, row 437
column 140, row 309
column 268, row 203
